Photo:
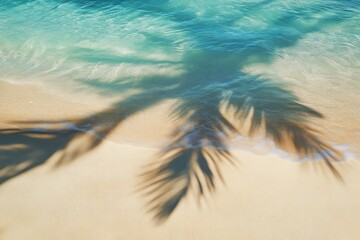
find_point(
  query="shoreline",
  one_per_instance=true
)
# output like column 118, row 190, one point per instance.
column 79, row 109
column 95, row 195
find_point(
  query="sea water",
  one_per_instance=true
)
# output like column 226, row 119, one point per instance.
column 199, row 53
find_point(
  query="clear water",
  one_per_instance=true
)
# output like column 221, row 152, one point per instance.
column 203, row 54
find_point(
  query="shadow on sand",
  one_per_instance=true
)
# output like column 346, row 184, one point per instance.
column 214, row 99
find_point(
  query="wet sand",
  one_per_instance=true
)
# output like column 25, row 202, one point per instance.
column 95, row 196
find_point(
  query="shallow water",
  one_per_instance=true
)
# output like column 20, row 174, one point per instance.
column 285, row 56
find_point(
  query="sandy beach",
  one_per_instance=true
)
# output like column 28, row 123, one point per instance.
column 95, row 195
column 179, row 120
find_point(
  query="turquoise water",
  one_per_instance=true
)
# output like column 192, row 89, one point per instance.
column 204, row 54
column 111, row 40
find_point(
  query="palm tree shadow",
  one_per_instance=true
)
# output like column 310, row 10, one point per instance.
column 212, row 105
column 192, row 161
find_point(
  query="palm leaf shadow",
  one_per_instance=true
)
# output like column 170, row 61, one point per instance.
column 269, row 107
column 23, row 149
column 192, row 161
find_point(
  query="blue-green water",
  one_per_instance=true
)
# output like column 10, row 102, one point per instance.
column 112, row 40
column 201, row 53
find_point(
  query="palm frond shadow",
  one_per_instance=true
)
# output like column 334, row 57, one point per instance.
column 214, row 100
column 192, row 161
column 23, row 148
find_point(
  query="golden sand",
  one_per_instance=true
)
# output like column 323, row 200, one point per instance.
column 95, row 196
